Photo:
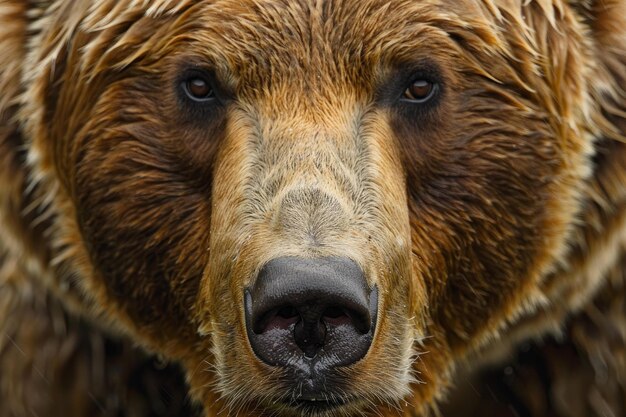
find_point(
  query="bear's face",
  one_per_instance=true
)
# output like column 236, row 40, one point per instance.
column 208, row 157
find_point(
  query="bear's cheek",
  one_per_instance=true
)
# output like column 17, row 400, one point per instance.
column 142, row 192
column 481, row 191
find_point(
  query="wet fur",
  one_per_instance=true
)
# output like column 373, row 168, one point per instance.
column 489, row 223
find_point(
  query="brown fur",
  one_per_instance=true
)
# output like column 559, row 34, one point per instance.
column 485, row 219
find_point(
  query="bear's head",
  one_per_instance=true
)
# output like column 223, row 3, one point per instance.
column 315, row 206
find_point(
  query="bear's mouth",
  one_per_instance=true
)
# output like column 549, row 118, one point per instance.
column 309, row 406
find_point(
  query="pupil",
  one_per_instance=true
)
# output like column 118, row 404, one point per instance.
column 421, row 88
column 198, row 87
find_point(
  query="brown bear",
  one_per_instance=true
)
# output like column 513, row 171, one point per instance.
column 309, row 207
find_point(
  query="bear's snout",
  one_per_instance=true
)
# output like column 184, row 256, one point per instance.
column 310, row 314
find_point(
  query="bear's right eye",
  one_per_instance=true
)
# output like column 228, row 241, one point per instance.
column 198, row 89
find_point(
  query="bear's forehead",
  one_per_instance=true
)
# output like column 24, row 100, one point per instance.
column 311, row 42
column 331, row 30
column 298, row 45
column 279, row 33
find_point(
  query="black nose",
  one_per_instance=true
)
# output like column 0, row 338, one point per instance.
column 318, row 310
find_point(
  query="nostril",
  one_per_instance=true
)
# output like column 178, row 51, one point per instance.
column 336, row 316
column 340, row 316
column 281, row 318
column 287, row 312
column 335, row 312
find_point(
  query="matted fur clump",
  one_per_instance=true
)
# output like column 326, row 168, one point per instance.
column 464, row 161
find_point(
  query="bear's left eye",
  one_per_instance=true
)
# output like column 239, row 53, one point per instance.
column 198, row 89
column 420, row 91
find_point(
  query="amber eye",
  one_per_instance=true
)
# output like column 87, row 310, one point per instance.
column 420, row 91
column 198, row 89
